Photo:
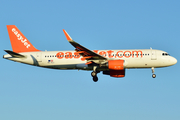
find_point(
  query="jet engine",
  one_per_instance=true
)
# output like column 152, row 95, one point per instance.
column 116, row 68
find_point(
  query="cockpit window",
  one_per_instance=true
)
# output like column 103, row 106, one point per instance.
column 165, row 54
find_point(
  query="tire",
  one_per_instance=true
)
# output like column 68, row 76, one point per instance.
column 95, row 79
column 154, row 75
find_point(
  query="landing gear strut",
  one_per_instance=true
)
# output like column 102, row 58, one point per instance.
column 94, row 74
column 153, row 75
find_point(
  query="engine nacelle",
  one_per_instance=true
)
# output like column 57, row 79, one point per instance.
column 116, row 64
column 116, row 68
column 115, row 73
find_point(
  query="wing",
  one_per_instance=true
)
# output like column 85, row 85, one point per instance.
column 84, row 52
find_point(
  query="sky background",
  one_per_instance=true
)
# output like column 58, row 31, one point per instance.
column 33, row 93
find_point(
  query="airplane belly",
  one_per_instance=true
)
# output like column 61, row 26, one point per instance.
column 61, row 63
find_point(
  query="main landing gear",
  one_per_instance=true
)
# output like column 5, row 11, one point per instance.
column 94, row 74
column 153, row 75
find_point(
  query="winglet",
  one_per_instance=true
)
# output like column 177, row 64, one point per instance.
column 67, row 36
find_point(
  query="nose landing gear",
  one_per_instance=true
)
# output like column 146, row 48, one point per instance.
column 153, row 75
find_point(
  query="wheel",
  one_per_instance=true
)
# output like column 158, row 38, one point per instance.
column 95, row 79
column 154, row 75
column 93, row 74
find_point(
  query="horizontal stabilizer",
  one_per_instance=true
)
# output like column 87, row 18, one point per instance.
column 13, row 54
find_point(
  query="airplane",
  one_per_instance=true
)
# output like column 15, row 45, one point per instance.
column 110, row 62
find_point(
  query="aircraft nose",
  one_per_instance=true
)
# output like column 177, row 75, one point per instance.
column 174, row 61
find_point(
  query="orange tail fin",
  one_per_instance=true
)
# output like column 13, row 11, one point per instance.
column 19, row 42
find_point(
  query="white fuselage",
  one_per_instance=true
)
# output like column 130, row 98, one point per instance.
column 144, row 58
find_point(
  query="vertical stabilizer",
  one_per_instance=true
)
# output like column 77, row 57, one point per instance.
column 19, row 42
